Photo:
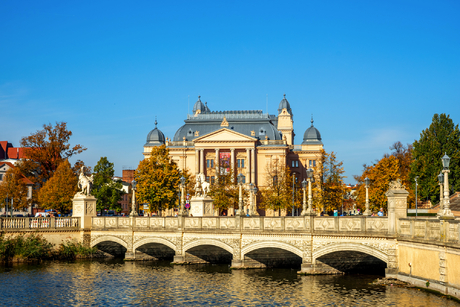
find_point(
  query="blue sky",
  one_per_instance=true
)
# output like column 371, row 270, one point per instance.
column 371, row 72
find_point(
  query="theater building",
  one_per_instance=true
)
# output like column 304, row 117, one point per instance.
column 248, row 141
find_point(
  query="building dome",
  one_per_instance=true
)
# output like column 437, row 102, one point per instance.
column 312, row 136
column 284, row 104
column 201, row 107
column 155, row 137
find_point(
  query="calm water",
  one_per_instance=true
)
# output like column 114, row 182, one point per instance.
column 115, row 283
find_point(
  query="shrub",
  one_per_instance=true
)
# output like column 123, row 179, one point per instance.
column 73, row 249
column 25, row 246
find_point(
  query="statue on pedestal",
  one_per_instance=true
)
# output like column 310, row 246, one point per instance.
column 201, row 186
column 85, row 183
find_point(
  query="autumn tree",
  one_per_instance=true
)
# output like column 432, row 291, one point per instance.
column 224, row 190
column 277, row 194
column 107, row 191
column 14, row 187
column 380, row 175
column 59, row 190
column 442, row 137
column 328, row 189
column 45, row 150
column 158, row 180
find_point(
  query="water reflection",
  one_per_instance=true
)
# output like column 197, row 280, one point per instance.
column 116, row 283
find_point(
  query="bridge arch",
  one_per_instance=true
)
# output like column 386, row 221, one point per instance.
column 213, row 242
column 351, row 247
column 271, row 244
column 154, row 240
column 110, row 239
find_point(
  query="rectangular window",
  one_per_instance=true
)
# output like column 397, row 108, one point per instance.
column 244, row 178
column 207, row 178
column 212, row 179
column 1, row 176
column 312, row 163
column 240, row 163
column 295, row 163
column 209, row 163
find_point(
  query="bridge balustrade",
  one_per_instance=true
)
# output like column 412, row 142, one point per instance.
column 369, row 225
column 429, row 230
column 22, row 223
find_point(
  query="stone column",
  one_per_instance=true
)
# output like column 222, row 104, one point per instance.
column 217, row 163
column 197, row 162
column 179, row 257
column 248, row 169
column 253, row 166
column 232, row 163
column 202, row 162
column 397, row 205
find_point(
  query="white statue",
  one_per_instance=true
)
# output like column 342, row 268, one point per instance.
column 84, row 183
column 201, row 182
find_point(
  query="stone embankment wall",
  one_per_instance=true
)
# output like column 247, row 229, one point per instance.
column 54, row 230
column 429, row 254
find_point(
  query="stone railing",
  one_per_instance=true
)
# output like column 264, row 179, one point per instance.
column 369, row 225
column 21, row 223
column 429, row 230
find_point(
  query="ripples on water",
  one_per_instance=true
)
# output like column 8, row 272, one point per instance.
column 116, row 283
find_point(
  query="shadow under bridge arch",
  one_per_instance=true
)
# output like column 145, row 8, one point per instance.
column 351, row 258
column 154, row 248
column 271, row 254
column 208, row 251
column 110, row 246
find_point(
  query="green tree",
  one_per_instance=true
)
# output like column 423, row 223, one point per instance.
column 442, row 137
column 277, row 194
column 107, row 191
column 59, row 190
column 158, row 180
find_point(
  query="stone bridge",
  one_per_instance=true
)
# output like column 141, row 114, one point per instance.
column 248, row 241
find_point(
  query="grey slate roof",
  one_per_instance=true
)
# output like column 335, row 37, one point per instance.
column 284, row 104
column 240, row 121
column 155, row 137
column 312, row 136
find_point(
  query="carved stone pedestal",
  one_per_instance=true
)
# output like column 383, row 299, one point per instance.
column 84, row 207
column 201, row 206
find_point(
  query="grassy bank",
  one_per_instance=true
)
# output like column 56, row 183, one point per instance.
column 35, row 247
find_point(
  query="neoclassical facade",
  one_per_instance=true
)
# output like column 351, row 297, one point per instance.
column 246, row 142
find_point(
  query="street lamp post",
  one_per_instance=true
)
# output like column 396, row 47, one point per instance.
column 182, row 196
column 446, row 213
column 240, row 196
column 441, row 183
column 133, row 200
column 367, row 182
column 293, row 187
column 416, row 204
column 308, row 211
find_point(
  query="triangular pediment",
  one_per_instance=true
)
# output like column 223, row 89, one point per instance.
column 225, row 134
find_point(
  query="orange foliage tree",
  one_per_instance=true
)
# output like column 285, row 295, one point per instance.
column 45, row 150
column 158, row 180
column 59, row 190
column 328, row 189
column 380, row 175
column 15, row 188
